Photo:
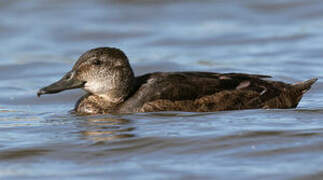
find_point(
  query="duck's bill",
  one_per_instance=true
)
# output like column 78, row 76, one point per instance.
column 63, row 84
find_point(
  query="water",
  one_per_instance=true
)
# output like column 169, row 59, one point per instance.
column 41, row 39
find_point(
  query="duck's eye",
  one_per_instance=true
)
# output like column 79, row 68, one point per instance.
column 97, row 62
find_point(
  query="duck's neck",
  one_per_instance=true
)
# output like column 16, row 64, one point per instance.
column 122, row 87
column 115, row 96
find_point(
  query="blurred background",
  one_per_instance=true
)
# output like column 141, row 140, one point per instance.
column 244, row 35
column 41, row 39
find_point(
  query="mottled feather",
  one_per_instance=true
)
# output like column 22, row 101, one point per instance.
column 204, row 91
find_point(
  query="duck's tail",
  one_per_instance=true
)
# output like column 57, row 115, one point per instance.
column 290, row 97
column 305, row 85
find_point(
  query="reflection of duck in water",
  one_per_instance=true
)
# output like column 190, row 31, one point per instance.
column 107, row 129
column 106, row 75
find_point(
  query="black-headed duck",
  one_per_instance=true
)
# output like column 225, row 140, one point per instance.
column 107, row 77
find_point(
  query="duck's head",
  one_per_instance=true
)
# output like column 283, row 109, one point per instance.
column 102, row 71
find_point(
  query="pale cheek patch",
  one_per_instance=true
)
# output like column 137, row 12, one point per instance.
column 98, row 87
column 93, row 87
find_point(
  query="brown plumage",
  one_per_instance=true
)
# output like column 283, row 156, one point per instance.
column 112, row 88
column 203, row 92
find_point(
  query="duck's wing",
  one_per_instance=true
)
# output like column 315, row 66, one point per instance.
column 191, row 86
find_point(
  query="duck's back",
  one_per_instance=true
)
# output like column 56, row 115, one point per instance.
column 204, row 91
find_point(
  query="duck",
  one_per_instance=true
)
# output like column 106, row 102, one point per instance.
column 111, row 87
